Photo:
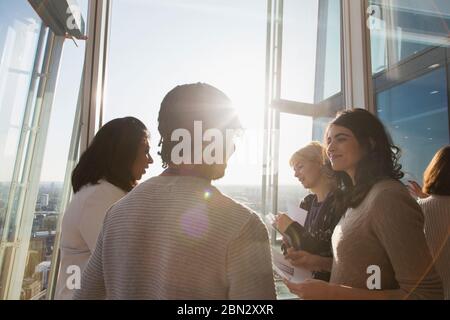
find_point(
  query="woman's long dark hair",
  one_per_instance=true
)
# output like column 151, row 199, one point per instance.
column 111, row 155
column 380, row 160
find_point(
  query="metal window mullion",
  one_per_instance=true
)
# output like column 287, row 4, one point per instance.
column 34, row 158
column 106, row 36
column 271, row 61
column 390, row 19
column 277, row 94
column 447, row 72
column 23, row 136
column 357, row 70
column 367, row 54
column 268, row 81
column 94, row 69
column 321, row 44
column 275, row 24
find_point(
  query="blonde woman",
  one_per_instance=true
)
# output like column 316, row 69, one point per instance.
column 311, row 245
column 379, row 248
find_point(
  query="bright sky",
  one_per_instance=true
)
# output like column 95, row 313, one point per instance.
column 158, row 44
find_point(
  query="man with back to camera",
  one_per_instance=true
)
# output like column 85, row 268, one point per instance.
column 175, row 236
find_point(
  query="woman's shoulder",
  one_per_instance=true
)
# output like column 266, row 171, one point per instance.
column 392, row 198
column 388, row 188
column 307, row 201
column 101, row 192
column 435, row 201
column 388, row 184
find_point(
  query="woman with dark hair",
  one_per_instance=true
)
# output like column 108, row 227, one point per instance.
column 109, row 168
column 379, row 248
column 436, row 208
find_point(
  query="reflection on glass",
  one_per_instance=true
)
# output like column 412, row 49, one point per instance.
column 402, row 28
column 48, row 205
column 311, row 59
column 416, row 114
column 19, row 34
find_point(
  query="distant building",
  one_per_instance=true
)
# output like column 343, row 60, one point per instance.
column 44, row 200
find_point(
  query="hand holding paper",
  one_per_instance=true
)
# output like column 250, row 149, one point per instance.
column 286, row 270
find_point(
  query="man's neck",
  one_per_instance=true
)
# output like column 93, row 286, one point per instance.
column 186, row 170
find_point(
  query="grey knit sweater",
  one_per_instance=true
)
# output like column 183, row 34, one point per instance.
column 177, row 237
column 386, row 231
column 437, row 229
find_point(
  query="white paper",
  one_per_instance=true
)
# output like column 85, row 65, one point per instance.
column 297, row 214
column 286, row 270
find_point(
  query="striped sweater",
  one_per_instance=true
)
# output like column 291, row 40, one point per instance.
column 177, row 237
column 437, row 229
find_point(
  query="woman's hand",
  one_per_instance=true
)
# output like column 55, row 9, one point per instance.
column 312, row 289
column 416, row 190
column 320, row 290
column 283, row 221
column 304, row 259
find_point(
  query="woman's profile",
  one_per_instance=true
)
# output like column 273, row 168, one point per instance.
column 109, row 168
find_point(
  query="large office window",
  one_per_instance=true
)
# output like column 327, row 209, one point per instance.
column 19, row 34
column 402, row 29
column 37, row 110
column 311, row 51
column 310, row 86
column 409, row 50
column 159, row 44
column 49, row 204
column 416, row 114
column 306, row 89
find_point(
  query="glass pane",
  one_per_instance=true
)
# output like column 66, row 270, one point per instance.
column 295, row 132
column 219, row 42
column 48, row 205
column 416, row 114
column 311, row 59
column 19, row 33
column 402, row 28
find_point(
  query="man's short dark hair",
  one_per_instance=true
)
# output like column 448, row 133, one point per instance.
column 188, row 103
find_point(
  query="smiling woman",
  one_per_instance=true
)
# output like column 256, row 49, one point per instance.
column 379, row 243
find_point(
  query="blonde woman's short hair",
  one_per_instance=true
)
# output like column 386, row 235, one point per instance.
column 313, row 151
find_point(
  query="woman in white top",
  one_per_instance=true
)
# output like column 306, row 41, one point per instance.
column 110, row 167
column 435, row 203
